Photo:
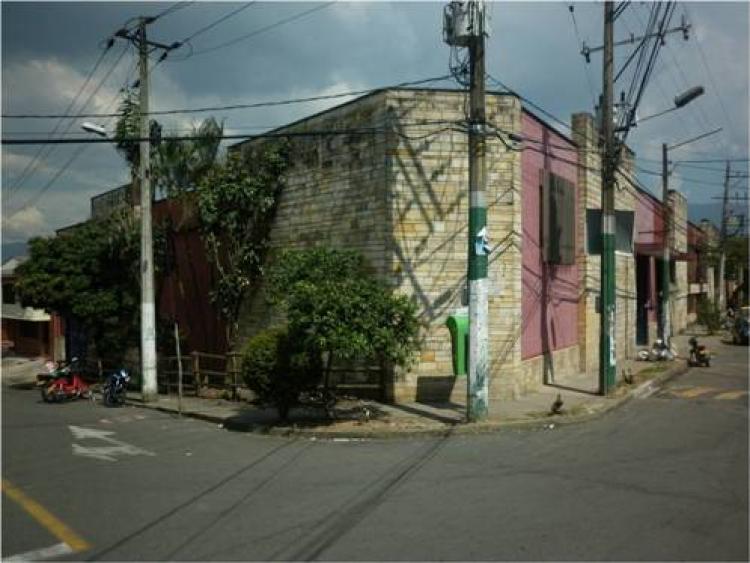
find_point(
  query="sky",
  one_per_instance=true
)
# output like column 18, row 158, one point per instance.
column 49, row 49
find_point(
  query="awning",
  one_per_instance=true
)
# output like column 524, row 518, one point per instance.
column 657, row 250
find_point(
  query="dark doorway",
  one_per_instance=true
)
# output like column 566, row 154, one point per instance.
column 658, row 264
column 643, row 291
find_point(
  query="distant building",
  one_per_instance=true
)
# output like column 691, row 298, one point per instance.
column 27, row 331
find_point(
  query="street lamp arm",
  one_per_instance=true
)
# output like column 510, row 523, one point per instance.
column 704, row 135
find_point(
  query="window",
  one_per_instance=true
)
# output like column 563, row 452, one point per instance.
column 623, row 231
column 558, row 219
column 9, row 294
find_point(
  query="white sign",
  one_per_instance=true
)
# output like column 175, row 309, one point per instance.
column 107, row 452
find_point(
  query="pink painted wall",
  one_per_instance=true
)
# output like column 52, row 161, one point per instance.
column 649, row 237
column 649, row 223
column 549, row 293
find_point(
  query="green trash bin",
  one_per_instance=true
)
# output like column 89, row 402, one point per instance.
column 458, row 325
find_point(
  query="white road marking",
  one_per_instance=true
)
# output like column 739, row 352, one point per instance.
column 56, row 550
column 107, row 452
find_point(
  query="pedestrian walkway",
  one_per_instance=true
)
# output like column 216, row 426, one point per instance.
column 371, row 419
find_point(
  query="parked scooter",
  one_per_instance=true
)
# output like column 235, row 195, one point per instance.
column 63, row 382
column 698, row 354
column 113, row 392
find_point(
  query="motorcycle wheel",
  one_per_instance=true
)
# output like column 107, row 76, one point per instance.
column 48, row 395
column 107, row 396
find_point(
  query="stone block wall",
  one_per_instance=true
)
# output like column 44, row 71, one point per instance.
column 428, row 179
column 589, row 184
column 335, row 192
column 679, row 244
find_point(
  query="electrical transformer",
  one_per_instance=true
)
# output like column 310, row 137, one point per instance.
column 463, row 20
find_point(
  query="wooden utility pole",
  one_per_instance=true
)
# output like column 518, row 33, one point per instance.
column 607, row 355
column 720, row 297
column 665, row 272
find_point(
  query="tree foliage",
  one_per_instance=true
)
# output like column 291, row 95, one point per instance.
column 88, row 273
column 236, row 200
column 278, row 369
column 178, row 166
column 736, row 249
column 128, row 128
column 334, row 304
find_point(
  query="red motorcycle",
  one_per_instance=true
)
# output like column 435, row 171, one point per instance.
column 63, row 382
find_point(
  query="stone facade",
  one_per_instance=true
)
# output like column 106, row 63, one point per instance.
column 395, row 187
column 678, row 240
column 589, row 178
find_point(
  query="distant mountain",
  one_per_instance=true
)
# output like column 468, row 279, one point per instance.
column 13, row 249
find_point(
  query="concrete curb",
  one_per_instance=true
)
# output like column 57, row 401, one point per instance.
column 589, row 413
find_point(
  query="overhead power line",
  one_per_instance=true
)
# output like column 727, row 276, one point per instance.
column 48, row 150
column 173, row 8
column 237, row 106
column 712, row 160
column 263, row 29
column 729, row 122
column 63, row 169
column 32, row 163
column 571, row 10
column 530, row 102
column 223, row 18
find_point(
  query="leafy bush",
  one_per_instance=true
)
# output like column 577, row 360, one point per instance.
column 277, row 368
column 709, row 315
column 333, row 302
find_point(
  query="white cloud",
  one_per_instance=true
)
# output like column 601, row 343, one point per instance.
column 51, row 85
column 24, row 224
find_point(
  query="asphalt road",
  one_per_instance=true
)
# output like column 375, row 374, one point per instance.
column 662, row 478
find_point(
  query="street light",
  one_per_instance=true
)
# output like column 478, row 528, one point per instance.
column 93, row 128
column 680, row 101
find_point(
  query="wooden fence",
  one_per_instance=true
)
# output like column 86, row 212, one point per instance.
column 202, row 371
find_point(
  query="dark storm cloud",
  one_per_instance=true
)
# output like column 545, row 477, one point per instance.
column 48, row 49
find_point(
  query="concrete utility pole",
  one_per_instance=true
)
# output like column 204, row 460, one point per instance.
column 607, row 356
column 478, row 380
column 665, row 272
column 720, row 285
column 465, row 25
column 148, row 308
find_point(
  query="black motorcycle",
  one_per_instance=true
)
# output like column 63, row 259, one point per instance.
column 115, row 388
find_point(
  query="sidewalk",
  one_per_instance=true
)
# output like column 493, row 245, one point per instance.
column 370, row 419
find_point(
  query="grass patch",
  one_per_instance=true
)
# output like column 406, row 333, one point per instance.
column 653, row 370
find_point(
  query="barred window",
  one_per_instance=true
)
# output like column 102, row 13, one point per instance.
column 558, row 219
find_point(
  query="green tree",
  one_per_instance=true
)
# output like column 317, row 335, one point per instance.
column 336, row 305
column 178, row 166
column 88, row 273
column 128, row 128
column 278, row 369
column 236, row 201
column 737, row 255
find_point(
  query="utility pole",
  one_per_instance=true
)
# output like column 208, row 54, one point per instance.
column 665, row 272
column 478, row 380
column 148, row 307
column 720, row 285
column 607, row 356
column 465, row 25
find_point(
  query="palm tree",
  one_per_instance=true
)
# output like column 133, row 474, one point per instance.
column 178, row 165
